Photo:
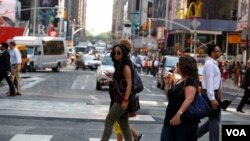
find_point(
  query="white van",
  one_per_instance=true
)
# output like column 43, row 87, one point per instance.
column 44, row 52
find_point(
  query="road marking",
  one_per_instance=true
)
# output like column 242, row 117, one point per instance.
column 98, row 139
column 85, row 81
column 34, row 81
column 70, row 110
column 28, row 137
column 152, row 94
column 148, row 89
column 153, row 103
column 78, row 82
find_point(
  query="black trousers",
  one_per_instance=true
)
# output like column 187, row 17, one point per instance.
column 244, row 100
column 9, row 81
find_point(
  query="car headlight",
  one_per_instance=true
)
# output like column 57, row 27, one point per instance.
column 86, row 63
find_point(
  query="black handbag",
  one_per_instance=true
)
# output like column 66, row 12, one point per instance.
column 200, row 107
column 137, row 83
column 134, row 104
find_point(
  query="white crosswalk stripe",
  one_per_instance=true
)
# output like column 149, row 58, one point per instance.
column 28, row 137
column 98, row 139
column 70, row 110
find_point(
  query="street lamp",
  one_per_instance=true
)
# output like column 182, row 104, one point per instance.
column 194, row 23
column 75, row 31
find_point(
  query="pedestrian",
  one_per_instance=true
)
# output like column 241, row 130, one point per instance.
column 211, row 83
column 138, row 63
column 137, row 136
column 5, row 68
column 237, row 73
column 246, row 86
column 122, row 79
column 16, row 60
column 177, row 126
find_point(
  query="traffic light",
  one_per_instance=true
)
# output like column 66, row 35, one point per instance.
column 136, row 26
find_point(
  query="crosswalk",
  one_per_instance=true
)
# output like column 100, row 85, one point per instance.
column 29, row 137
column 82, row 110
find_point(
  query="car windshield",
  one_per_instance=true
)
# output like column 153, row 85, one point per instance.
column 88, row 57
column 89, row 48
column 107, row 61
column 171, row 61
column 30, row 50
column 99, row 49
column 80, row 49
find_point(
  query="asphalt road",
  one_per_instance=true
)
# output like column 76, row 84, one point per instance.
column 65, row 106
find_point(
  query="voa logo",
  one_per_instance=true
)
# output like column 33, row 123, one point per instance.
column 236, row 132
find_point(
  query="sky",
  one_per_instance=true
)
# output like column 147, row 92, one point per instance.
column 99, row 16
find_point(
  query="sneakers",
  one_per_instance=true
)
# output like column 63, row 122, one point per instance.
column 140, row 137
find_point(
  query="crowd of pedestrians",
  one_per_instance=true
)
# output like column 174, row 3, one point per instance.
column 10, row 66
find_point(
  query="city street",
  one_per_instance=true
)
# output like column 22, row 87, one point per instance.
column 65, row 106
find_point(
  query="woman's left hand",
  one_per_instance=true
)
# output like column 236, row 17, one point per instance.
column 176, row 120
column 124, row 105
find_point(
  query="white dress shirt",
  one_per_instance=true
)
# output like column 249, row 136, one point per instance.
column 15, row 56
column 211, row 79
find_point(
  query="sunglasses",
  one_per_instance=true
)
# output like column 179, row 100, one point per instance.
column 117, row 53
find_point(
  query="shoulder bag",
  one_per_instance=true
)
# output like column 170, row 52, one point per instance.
column 199, row 108
column 137, row 83
column 134, row 102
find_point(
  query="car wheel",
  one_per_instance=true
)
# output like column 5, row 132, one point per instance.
column 98, row 86
column 31, row 67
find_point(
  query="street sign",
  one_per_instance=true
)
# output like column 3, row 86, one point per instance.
column 195, row 23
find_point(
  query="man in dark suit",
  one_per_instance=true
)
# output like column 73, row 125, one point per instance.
column 246, row 88
column 5, row 68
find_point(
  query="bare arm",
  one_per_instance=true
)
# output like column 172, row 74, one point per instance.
column 190, row 92
column 128, row 77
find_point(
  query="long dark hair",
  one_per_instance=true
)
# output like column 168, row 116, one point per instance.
column 188, row 67
column 119, row 66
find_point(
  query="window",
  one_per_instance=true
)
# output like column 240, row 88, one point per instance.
column 53, row 48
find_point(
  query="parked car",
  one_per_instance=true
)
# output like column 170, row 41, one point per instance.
column 91, row 62
column 79, row 63
column 167, row 64
column 106, row 66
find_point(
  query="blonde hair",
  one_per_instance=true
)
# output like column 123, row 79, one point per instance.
column 126, row 43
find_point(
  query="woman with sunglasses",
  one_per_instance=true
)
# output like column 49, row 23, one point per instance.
column 122, row 79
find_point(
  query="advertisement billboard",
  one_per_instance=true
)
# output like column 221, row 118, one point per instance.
column 243, row 6
column 46, row 16
column 9, row 12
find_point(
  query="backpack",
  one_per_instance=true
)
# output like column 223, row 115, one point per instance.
column 137, row 83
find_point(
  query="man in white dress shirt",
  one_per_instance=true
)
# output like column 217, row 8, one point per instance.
column 16, row 60
column 211, row 82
